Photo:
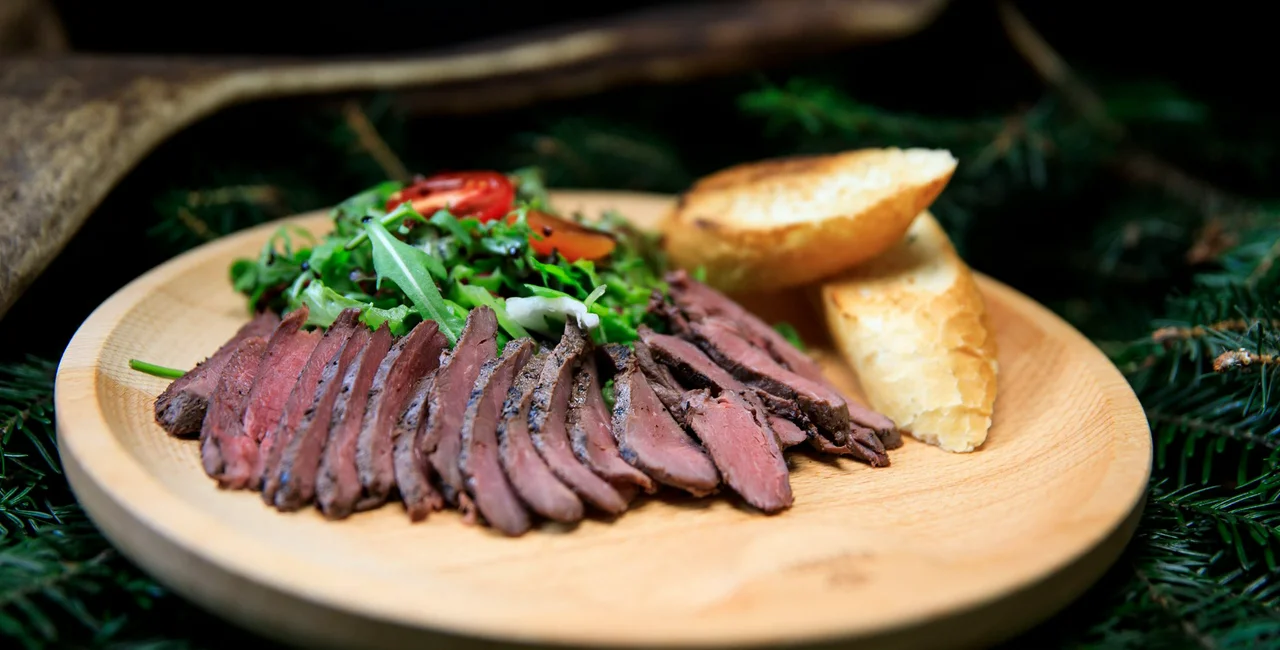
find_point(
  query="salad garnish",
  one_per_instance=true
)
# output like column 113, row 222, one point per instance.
column 441, row 245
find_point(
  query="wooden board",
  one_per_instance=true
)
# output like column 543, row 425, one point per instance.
column 938, row 550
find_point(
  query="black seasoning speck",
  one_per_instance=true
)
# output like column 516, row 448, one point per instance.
column 366, row 219
column 546, row 231
column 305, row 266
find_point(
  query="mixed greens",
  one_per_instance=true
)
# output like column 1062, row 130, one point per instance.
column 400, row 266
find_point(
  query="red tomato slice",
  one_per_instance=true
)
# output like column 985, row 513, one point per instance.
column 571, row 239
column 485, row 195
column 489, row 195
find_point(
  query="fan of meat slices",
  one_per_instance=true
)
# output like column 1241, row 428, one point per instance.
column 455, row 343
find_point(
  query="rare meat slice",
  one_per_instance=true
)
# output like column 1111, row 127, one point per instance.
column 419, row 496
column 663, row 383
column 699, row 300
column 696, row 370
column 650, row 439
column 547, row 412
column 884, row 428
column 485, row 481
column 690, row 365
column 792, row 425
column 337, row 483
column 410, row 359
column 287, row 352
column 442, row 439
column 300, row 460
column 181, row 407
column 863, row 445
column 720, row 340
column 746, row 453
column 588, row 423
column 301, row 397
column 789, row 433
column 221, row 433
column 525, row 468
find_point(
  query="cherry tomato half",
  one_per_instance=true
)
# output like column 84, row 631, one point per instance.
column 484, row 195
column 571, row 239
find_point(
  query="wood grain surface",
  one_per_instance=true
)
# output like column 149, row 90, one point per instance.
column 75, row 125
column 937, row 550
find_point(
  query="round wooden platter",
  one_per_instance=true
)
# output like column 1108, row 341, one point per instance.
column 937, row 550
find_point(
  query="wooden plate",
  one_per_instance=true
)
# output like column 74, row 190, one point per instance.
column 937, row 550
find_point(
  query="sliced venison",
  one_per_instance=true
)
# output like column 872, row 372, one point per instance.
column 884, row 428
column 337, row 482
column 491, row 492
column 788, row 433
column 661, row 381
column 745, row 452
column 221, row 434
column 788, row 421
column 537, row 486
column 863, row 445
column 694, row 369
column 300, row 460
column 649, row 438
column 547, row 412
column 419, row 496
column 410, row 359
column 589, row 422
column 442, row 438
column 720, row 340
column 181, row 407
column 287, row 352
column 699, row 301
column 301, row 397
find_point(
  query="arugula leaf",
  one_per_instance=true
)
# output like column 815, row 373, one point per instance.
column 324, row 304
column 788, row 332
column 477, row 296
column 276, row 266
column 407, row 267
column 347, row 215
column 531, row 188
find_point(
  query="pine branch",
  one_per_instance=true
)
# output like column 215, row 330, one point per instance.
column 368, row 140
column 1176, row 588
column 193, row 217
column 590, row 152
column 64, row 581
column 27, row 446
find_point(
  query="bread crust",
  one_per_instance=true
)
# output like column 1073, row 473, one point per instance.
column 786, row 222
column 913, row 325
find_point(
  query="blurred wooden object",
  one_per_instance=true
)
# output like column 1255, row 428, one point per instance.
column 74, row 125
column 30, row 27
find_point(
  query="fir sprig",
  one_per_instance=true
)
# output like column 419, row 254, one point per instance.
column 27, row 448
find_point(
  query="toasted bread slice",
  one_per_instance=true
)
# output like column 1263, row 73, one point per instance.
column 913, row 326
column 786, row 222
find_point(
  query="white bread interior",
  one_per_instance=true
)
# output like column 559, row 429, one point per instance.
column 912, row 324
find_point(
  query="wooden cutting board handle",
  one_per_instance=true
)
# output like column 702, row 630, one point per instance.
column 73, row 126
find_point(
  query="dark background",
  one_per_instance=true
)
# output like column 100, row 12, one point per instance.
column 1222, row 47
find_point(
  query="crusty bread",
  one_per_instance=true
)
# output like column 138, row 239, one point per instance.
column 786, row 222
column 913, row 326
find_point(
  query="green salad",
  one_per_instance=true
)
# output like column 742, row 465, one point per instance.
column 438, row 247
